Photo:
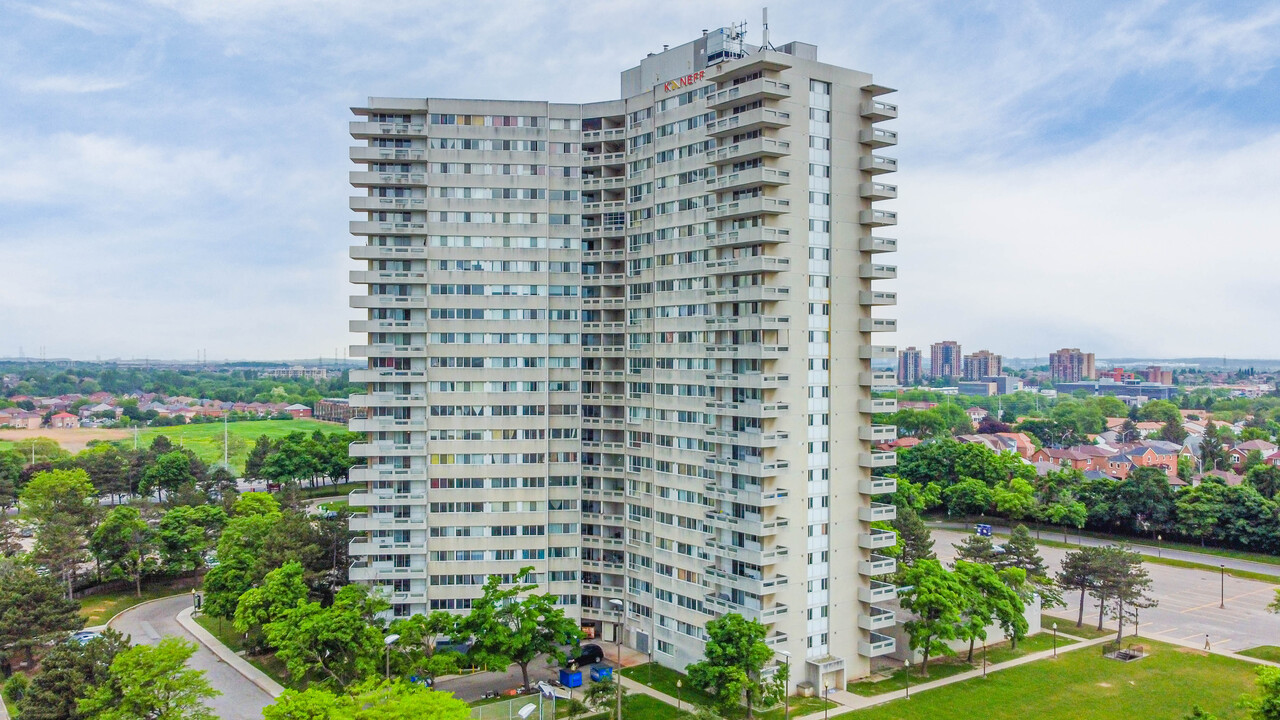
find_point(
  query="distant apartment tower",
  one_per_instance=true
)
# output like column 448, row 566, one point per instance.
column 982, row 364
column 1070, row 365
column 629, row 344
column 944, row 359
column 909, row 361
column 1157, row 374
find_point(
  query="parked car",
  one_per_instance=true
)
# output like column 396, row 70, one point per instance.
column 588, row 654
column 83, row 637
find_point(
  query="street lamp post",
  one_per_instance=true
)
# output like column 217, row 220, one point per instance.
column 1159, row 546
column 907, row 664
column 786, row 694
column 387, row 642
column 1055, row 640
column 1222, row 585
column 984, row 658
column 619, row 629
column 826, row 690
column 679, row 705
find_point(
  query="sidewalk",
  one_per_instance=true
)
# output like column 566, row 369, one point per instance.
column 224, row 653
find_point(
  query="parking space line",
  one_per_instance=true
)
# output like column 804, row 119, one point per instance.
column 1234, row 597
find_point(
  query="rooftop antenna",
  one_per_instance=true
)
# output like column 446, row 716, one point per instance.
column 765, row 24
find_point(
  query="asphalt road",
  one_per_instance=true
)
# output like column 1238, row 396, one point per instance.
column 147, row 624
column 1188, row 602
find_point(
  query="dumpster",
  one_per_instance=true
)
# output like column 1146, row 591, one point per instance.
column 572, row 678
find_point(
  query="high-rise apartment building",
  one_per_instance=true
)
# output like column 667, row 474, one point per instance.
column 909, row 366
column 1070, row 365
column 945, row 360
column 982, row 364
column 629, row 344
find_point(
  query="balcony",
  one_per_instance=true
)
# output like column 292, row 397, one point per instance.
column 757, row 526
column 877, row 352
column 377, row 227
column 364, row 375
column 878, row 405
column 877, row 244
column 747, row 322
column 878, row 433
column 879, row 645
column 758, row 235
column 387, row 424
column 755, row 439
column 751, row 177
column 877, row 325
column 600, row 159
column 603, row 279
column 386, row 399
column 878, row 592
column 368, row 326
column 756, row 119
column 748, row 265
column 750, row 91
column 878, row 512
column 600, row 207
column 878, row 485
column 378, row 154
column 749, row 351
column 877, row 297
column 877, row 565
column 605, row 134
column 399, row 277
column 877, row 164
column 762, row 60
column 875, row 271
column 748, row 380
column 387, row 350
column 877, row 539
column 373, row 179
column 877, row 218
column 377, row 449
column 878, row 459
column 604, row 183
column 759, row 470
column 749, row 149
column 386, row 252
column 747, row 207
column 878, row 191
column 878, row 379
column 364, row 203
column 754, row 495
column 879, row 619
column 749, row 293
column 877, row 111
column 877, row 138
column 384, row 472
column 380, row 129
column 365, row 546
column 762, row 585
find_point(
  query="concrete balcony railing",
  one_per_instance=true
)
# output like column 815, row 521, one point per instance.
column 878, row 646
column 877, row 352
column 380, row 449
column 753, row 495
column 757, row 526
column 758, row 235
column 398, row 277
column 747, row 207
column 873, row 298
column 749, row 149
column 877, row 244
column 877, row 539
column 380, row 129
column 363, row 203
column 877, row 405
column 750, row 177
column 378, row 227
column 365, row 375
column 877, row 592
column 876, row 271
column 605, row 134
column 877, row 565
column 878, row 433
column 755, row 119
column 604, row 183
column 878, row 459
column 376, row 179
column 879, row 619
column 748, row 293
column 877, row 138
column 877, row 164
column 379, row 154
column 877, row 218
column 877, row 325
column 878, row 485
column 750, row 91
column 368, row 326
column 747, row 322
column 747, row 265
column 755, row 439
column 878, row 512
column 603, row 159
column 878, row 379
column 748, row 380
column 878, row 191
column 877, row 111
column 387, row 424
column 386, row 252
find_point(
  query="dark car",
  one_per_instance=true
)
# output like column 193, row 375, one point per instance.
column 589, row 654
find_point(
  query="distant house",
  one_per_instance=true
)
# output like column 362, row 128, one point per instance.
column 1226, row 476
column 976, row 414
column 1241, row 451
column 64, row 421
column 20, row 419
column 298, row 411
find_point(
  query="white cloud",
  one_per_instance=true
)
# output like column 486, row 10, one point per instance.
column 71, row 84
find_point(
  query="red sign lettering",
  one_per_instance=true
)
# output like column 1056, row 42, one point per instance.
column 685, row 81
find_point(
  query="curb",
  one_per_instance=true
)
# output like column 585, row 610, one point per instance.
column 113, row 618
column 224, row 653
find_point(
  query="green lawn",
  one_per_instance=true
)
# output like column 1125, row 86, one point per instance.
column 1068, row 626
column 205, row 439
column 97, row 609
column 643, row 707
column 663, row 679
column 800, row 706
column 1186, row 564
column 1263, row 652
column 1083, row 684
column 947, row 666
column 268, row 664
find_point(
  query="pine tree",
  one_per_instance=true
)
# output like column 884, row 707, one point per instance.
column 1020, row 551
column 257, row 458
column 916, row 542
column 977, row 548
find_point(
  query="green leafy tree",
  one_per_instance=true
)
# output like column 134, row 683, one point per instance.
column 1213, row 454
column 1125, row 583
column 61, row 506
column 11, row 465
column 514, row 625
column 108, row 469
column 1198, row 509
column 1067, row 512
column 1266, row 705
column 151, row 682
column 239, row 560
column 257, row 458
column 1021, row 552
column 335, row 645
column 282, row 590
column 936, row 600
column 977, row 548
column 970, row 496
column 67, row 671
column 987, row 599
column 736, row 653
column 914, row 539
column 1081, row 570
column 1265, row 479
column 122, row 543
column 33, row 609
column 169, row 473
column 419, row 635
column 185, row 533
column 1015, row 499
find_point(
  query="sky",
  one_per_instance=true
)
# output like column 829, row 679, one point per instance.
column 173, row 174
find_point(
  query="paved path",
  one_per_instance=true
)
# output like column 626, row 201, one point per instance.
column 147, row 623
column 1188, row 603
column 1145, row 549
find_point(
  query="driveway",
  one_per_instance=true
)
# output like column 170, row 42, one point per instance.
column 147, row 624
column 1188, row 602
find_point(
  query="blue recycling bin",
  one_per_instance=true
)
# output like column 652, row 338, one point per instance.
column 602, row 672
column 571, row 678
column 982, row 529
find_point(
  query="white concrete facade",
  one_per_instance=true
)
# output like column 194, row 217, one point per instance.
column 629, row 344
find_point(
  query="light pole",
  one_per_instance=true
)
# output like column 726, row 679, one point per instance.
column 1159, row 546
column 907, row 665
column 826, row 690
column 1055, row 641
column 387, row 642
column 679, row 684
column 984, row 658
column 620, row 628
column 786, row 694
column 1222, row 585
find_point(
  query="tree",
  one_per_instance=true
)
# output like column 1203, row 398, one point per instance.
column 1067, row 512
column 914, row 539
column 32, row 608
column 1015, row 500
column 257, row 458
column 239, row 564
column 1126, row 583
column 282, row 590
column 60, row 503
column 1199, row 713
column 152, row 682
column 1020, row 552
column 736, row 653
column 107, row 467
column 221, row 484
column 1266, row 706
column 11, row 465
column 976, row 548
column 987, row 598
column 507, row 628
column 169, row 472
column 185, row 533
column 1212, row 452
column 67, row 671
column 936, row 599
column 1265, row 479
column 606, row 695
column 419, row 633
column 1198, row 509
column 970, row 496
column 335, row 645
column 1080, row 571
column 1173, row 432
column 371, row 700
column 122, row 543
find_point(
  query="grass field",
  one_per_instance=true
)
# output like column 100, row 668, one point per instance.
column 266, row 663
column 664, row 679
column 947, row 666
column 1083, row 684
column 97, row 609
column 1263, row 652
column 206, row 439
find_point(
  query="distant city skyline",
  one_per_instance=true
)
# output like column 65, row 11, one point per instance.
column 173, row 175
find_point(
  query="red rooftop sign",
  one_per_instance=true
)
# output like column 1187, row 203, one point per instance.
column 685, row 81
